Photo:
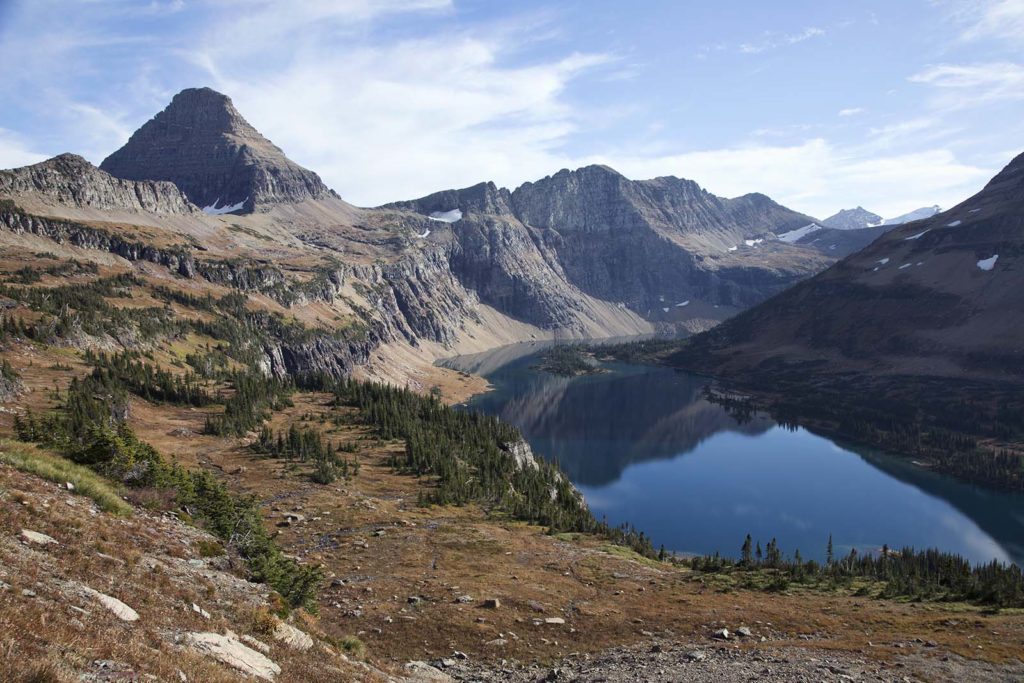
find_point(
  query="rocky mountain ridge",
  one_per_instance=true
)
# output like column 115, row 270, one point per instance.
column 582, row 253
column 935, row 296
column 70, row 180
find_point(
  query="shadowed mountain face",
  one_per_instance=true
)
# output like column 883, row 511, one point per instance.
column 203, row 145
column 936, row 297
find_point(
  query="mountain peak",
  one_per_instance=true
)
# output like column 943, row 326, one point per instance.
column 852, row 219
column 202, row 144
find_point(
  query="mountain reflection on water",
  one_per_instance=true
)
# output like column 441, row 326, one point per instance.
column 645, row 447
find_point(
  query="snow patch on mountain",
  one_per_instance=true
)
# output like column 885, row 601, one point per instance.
column 214, row 210
column 988, row 263
column 446, row 216
column 794, row 235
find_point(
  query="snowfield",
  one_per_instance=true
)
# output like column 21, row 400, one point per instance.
column 446, row 216
column 214, row 210
column 988, row 263
column 794, row 235
column 917, row 236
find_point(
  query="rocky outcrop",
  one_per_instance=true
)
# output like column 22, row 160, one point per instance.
column 203, row 145
column 70, row 180
column 175, row 258
column 227, row 649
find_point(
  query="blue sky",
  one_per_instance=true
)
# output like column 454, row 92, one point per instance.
column 822, row 105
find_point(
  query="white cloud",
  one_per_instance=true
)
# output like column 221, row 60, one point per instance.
column 14, row 151
column 852, row 111
column 397, row 120
column 967, row 85
column 818, row 177
column 999, row 19
column 774, row 40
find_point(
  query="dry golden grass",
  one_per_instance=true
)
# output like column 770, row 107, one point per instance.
column 34, row 460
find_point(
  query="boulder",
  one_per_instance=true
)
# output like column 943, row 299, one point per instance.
column 37, row 538
column 228, row 650
column 421, row 671
column 120, row 610
column 293, row 637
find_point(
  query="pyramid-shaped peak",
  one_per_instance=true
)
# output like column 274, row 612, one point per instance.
column 207, row 108
column 202, row 144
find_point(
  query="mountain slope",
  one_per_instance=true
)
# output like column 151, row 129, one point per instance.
column 585, row 253
column 934, row 297
column 204, row 146
column 915, row 215
column 70, row 181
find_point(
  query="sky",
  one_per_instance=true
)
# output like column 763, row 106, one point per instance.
column 891, row 105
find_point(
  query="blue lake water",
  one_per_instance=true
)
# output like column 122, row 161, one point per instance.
column 645, row 447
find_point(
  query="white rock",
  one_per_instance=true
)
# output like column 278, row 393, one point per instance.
column 230, row 651
column 421, row 671
column 200, row 611
column 258, row 644
column 120, row 610
column 37, row 538
column 554, row 620
column 292, row 637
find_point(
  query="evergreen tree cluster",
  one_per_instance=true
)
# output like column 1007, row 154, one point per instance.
column 307, row 445
column 253, row 397
column 469, row 457
column 148, row 381
column 28, row 275
column 82, row 308
column 917, row 574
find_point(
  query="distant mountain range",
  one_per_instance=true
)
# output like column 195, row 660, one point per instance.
column 586, row 252
column 854, row 219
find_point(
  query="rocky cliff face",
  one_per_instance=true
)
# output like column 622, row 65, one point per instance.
column 649, row 246
column 203, row 145
column 70, row 180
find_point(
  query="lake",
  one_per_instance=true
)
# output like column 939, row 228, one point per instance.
column 643, row 446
